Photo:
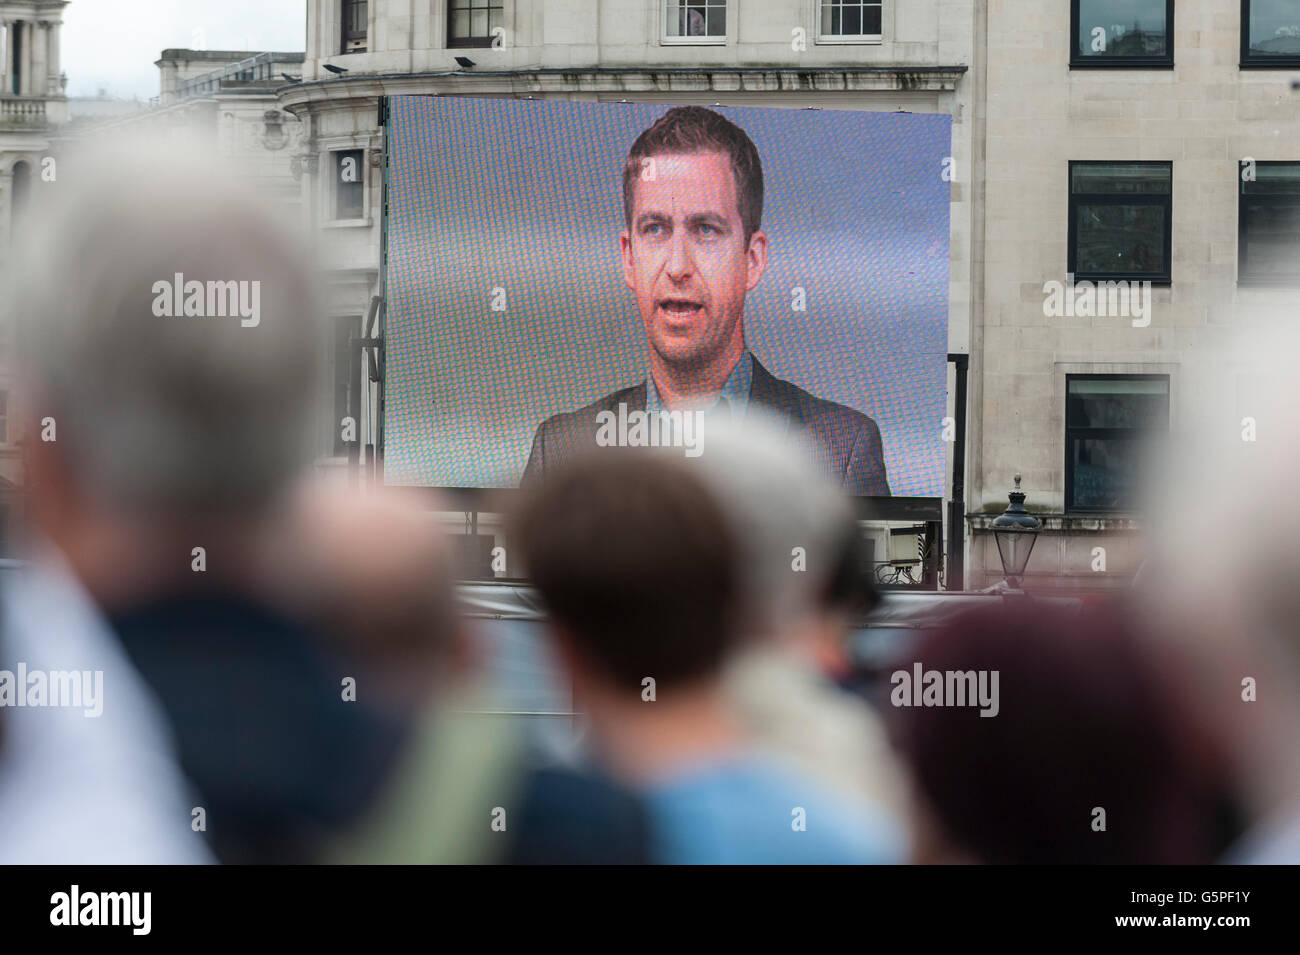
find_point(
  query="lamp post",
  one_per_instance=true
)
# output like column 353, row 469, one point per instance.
column 1015, row 531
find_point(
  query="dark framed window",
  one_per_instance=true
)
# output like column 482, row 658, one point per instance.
column 349, row 184
column 1122, row 33
column 346, row 378
column 1268, row 224
column 22, row 188
column 1270, row 34
column 1121, row 218
column 355, row 20
column 695, row 19
column 1110, row 421
column 850, row 18
column 470, row 22
column 17, row 40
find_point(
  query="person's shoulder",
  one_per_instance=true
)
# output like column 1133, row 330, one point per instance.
column 563, row 421
column 573, row 817
column 773, row 814
column 812, row 411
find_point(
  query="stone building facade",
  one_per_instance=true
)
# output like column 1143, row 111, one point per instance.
column 1137, row 131
column 32, row 106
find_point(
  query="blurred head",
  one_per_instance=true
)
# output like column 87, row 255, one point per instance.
column 692, row 246
column 637, row 566
column 1218, row 596
column 166, row 323
column 800, row 544
column 1084, row 722
column 374, row 573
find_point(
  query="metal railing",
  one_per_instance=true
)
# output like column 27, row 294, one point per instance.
column 259, row 67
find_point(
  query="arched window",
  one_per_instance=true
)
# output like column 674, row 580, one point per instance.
column 22, row 174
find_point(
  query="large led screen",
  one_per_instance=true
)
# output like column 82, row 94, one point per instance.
column 569, row 274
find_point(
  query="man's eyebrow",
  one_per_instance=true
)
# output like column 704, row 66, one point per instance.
column 648, row 218
column 708, row 218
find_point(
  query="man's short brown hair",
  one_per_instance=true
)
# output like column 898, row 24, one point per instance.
column 637, row 564
column 685, row 130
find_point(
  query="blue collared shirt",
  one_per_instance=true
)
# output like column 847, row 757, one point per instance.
column 735, row 389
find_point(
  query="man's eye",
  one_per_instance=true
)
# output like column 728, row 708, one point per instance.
column 653, row 228
column 709, row 230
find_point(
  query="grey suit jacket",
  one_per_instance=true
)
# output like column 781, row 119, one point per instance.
column 846, row 442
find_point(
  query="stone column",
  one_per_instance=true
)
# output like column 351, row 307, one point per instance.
column 40, row 37
column 25, row 69
column 9, row 59
column 53, row 67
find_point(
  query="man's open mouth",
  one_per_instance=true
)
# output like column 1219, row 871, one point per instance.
column 679, row 306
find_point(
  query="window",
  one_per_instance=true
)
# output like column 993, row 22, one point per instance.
column 1109, row 422
column 16, row 41
column 349, row 184
column 1120, row 219
column 850, row 20
column 695, row 21
column 344, row 384
column 1270, row 34
column 1122, row 33
column 22, row 187
column 1268, row 224
column 355, row 15
column 471, row 22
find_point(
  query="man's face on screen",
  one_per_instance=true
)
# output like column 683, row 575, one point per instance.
column 686, row 259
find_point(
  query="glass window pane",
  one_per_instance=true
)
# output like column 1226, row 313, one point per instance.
column 1122, row 28
column 674, row 17
column 1105, row 472
column 1119, row 239
column 1271, row 239
column 1273, row 180
column 1274, row 27
column 1119, row 386
column 717, row 22
column 350, row 184
column 1121, row 179
column 1110, row 403
column 852, row 20
column 460, row 24
column 478, row 23
column 871, row 19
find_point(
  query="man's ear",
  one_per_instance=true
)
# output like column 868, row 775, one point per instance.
column 756, row 258
column 625, row 247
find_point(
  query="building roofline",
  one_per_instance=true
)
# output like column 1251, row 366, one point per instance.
column 182, row 53
column 638, row 79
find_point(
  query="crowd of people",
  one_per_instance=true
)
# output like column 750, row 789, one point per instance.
column 288, row 677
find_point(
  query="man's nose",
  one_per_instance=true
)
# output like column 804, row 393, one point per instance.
column 679, row 265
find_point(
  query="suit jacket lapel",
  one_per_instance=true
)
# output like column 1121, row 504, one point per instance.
column 765, row 390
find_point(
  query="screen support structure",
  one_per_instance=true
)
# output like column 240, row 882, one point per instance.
column 369, row 355
column 367, row 358
column 955, row 576
column 366, row 369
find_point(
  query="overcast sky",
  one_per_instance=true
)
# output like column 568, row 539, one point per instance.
column 112, row 44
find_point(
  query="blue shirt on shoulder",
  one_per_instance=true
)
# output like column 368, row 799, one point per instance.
column 745, row 812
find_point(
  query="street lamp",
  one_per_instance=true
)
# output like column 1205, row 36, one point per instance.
column 1015, row 530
